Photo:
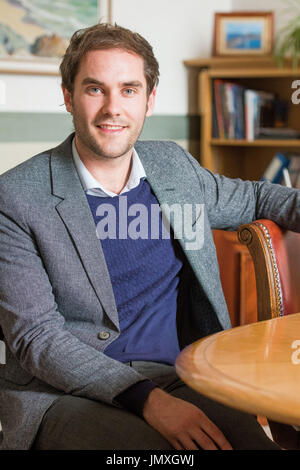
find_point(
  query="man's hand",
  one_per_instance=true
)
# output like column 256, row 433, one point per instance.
column 181, row 423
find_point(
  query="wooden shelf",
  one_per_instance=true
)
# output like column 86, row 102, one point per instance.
column 256, row 143
column 239, row 62
column 255, row 72
column 228, row 61
column 242, row 158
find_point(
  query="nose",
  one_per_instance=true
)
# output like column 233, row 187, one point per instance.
column 111, row 104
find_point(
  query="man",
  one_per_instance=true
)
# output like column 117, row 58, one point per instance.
column 96, row 304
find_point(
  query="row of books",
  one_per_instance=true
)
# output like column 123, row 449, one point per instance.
column 242, row 113
column 284, row 169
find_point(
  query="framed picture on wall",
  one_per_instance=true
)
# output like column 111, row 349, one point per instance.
column 243, row 34
column 34, row 34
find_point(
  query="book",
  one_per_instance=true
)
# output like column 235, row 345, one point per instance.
column 239, row 100
column 236, row 112
column 215, row 127
column 244, row 113
column 224, row 108
column 228, row 110
column 266, row 111
column 217, row 108
column 286, row 179
column 294, row 170
column 274, row 171
column 251, row 113
column 277, row 133
column 259, row 106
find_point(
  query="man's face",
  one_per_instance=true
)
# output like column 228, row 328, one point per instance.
column 109, row 103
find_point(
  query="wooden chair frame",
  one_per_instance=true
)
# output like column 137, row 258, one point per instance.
column 266, row 241
column 256, row 236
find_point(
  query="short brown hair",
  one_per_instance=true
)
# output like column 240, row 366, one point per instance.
column 107, row 36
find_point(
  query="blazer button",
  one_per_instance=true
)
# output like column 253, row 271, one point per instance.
column 103, row 335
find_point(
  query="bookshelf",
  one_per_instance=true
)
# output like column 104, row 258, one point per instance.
column 239, row 158
column 257, row 143
column 242, row 158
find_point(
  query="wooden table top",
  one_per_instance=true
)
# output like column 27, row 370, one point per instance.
column 254, row 368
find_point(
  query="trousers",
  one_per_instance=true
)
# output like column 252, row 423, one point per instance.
column 76, row 423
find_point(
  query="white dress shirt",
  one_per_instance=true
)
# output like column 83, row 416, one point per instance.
column 93, row 187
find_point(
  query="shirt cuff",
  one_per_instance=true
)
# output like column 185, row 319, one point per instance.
column 134, row 397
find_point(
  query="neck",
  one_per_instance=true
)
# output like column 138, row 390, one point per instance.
column 111, row 173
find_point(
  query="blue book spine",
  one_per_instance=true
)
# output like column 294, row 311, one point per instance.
column 274, row 171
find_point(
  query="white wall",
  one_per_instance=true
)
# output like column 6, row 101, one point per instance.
column 177, row 30
column 278, row 6
column 33, row 93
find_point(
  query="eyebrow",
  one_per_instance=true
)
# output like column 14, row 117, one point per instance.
column 89, row 80
column 135, row 83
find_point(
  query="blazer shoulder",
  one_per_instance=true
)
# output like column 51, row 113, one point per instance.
column 25, row 188
column 165, row 147
column 33, row 171
column 171, row 157
column 166, row 153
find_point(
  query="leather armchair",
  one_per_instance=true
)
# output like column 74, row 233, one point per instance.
column 276, row 257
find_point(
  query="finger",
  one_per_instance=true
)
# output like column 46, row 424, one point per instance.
column 215, row 433
column 188, row 443
column 177, row 445
column 202, row 440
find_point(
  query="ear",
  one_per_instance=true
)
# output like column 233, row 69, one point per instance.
column 68, row 99
column 151, row 102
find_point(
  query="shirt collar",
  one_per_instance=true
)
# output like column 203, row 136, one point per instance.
column 92, row 186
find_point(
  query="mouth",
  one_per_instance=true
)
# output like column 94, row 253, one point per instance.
column 111, row 128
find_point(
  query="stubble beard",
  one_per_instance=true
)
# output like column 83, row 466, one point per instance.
column 91, row 143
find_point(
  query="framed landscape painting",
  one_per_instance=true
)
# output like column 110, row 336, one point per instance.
column 36, row 32
column 243, row 33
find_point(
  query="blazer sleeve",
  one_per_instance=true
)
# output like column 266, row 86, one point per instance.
column 232, row 202
column 35, row 330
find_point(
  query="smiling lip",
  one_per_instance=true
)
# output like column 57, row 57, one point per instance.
column 111, row 128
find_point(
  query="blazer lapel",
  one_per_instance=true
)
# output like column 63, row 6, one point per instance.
column 169, row 189
column 75, row 212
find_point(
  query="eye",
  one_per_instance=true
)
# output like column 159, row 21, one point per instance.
column 129, row 91
column 94, row 90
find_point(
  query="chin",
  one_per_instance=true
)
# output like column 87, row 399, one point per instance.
column 111, row 152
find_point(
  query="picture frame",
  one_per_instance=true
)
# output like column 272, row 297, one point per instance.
column 243, row 33
column 33, row 37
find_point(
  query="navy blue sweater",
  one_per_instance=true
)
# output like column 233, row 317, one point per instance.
column 144, row 275
column 144, row 272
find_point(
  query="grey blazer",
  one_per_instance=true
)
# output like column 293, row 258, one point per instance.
column 55, row 291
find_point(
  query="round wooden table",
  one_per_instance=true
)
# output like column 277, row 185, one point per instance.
column 254, row 368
